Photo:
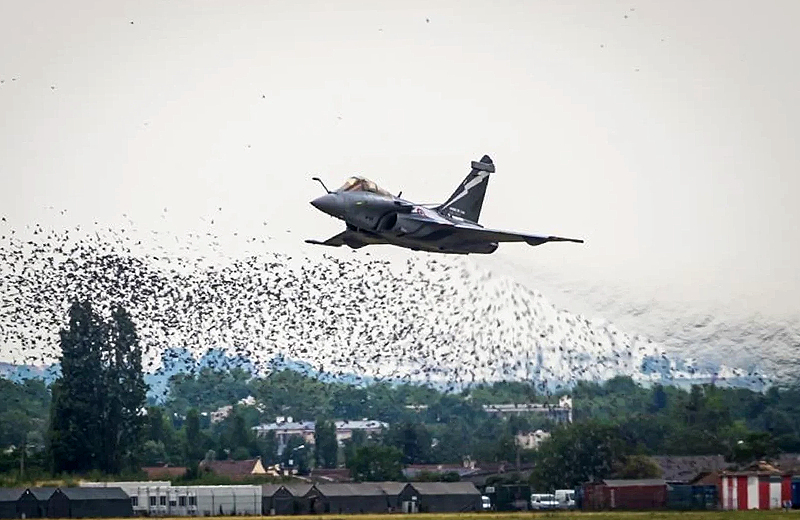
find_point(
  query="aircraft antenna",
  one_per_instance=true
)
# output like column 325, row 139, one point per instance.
column 320, row 181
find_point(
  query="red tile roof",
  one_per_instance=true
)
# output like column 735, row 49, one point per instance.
column 233, row 469
column 163, row 472
column 331, row 475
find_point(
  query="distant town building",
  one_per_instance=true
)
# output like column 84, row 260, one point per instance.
column 222, row 413
column 561, row 413
column 345, row 429
column 248, row 401
column 285, row 428
column 531, row 440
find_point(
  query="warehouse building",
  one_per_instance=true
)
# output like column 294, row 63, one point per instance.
column 347, row 498
column 35, row 502
column 8, row 502
column 447, row 497
column 95, row 499
column 302, row 496
column 78, row 502
column 28, row 506
column 400, row 496
column 276, row 500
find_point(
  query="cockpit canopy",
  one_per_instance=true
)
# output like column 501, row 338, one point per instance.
column 362, row 184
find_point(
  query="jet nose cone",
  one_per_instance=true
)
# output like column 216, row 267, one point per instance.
column 327, row 203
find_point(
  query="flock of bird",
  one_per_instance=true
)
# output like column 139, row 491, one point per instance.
column 432, row 319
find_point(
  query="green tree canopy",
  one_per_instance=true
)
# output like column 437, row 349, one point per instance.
column 97, row 416
column 326, row 447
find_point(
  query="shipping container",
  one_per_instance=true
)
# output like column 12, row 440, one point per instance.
column 706, row 496
column 625, row 494
column 795, row 493
column 579, row 494
column 680, row 497
column 692, row 497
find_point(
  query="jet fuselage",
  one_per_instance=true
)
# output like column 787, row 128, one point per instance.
column 379, row 219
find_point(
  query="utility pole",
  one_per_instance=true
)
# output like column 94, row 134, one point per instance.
column 26, row 443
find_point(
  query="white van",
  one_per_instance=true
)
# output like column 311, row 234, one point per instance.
column 565, row 498
column 543, row 501
column 486, row 504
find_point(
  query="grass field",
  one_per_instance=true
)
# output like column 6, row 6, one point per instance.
column 561, row 515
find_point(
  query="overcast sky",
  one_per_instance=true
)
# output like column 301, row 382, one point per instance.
column 664, row 133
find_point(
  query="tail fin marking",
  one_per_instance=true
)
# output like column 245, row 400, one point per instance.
column 466, row 202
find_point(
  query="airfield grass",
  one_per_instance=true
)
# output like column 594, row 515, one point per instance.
column 560, row 515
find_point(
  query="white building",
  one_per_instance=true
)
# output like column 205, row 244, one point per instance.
column 562, row 412
column 225, row 500
column 345, row 429
column 163, row 499
column 285, row 428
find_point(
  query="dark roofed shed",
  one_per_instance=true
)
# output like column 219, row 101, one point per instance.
column 302, row 495
column 36, row 502
column 276, row 500
column 447, row 497
column 91, row 502
column 343, row 498
column 683, row 469
column 401, row 496
column 28, row 506
column 8, row 501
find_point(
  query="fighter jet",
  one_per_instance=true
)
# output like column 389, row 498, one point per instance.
column 372, row 215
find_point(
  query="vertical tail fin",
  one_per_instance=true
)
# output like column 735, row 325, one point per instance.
column 466, row 202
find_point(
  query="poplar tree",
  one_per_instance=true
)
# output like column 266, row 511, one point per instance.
column 194, row 439
column 97, row 419
column 75, row 436
column 126, row 393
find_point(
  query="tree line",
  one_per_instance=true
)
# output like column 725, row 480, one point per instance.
column 96, row 418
